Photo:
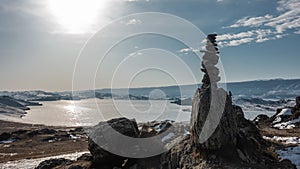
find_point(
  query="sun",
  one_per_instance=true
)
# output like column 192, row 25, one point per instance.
column 77, row 16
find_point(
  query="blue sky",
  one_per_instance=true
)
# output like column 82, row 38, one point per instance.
column 40, row 41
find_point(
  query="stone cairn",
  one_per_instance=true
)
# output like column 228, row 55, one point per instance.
column 213, row 125
column 209, row 61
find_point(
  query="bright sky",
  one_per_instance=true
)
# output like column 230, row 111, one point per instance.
column 41, row 40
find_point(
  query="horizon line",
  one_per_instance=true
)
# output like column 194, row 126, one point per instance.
column 243, row 81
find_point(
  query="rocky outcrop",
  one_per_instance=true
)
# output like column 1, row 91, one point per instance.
column 49, row 164
column 296, row 110
column 14, row 107
column 223, row 129
column 227, row 134
column 101, row 157
column 97, row 139
column 5, row 136
column 298, row 102
column 284, row 118
column 213, row 121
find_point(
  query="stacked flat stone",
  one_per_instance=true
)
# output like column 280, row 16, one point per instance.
column 213, row 118
column 209, row 61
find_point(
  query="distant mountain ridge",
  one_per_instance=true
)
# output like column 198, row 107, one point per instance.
column 275, row 88
column 267, row 89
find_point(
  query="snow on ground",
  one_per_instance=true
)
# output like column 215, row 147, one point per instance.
column 285, row 112
column 284, row 140
column 291, row 153
column 7, row 141
column 32, row 163
column 277, row 120
column 287, row 125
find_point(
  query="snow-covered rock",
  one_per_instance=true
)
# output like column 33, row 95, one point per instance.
column 285, row 112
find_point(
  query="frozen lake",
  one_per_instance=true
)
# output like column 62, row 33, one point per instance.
column 91, row 111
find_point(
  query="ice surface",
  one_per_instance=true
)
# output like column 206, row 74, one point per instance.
column 291, row 153
column 32, row 163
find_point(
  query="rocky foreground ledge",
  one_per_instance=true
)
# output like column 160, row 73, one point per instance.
column 246, row 144
column 252, row 151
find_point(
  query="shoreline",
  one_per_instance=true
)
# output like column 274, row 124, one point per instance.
column 28, row 141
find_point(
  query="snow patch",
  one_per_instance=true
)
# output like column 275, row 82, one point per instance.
column 285, row 112
column 284, row 140
column 277, row 120
column 7, row 141
column 32, row 163
column 287, row 125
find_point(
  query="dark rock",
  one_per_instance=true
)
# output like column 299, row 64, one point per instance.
column 78, row 129
column 42, row 131
column 287, row 164
column 296, row 109
column 47, row 131
column 9, row 101
column 76, row 167
column 262, row 118
column 19, row 132
column 101, row 156
column 85, row 157
column 226, row 129
column 183, row 155
column 298, row 101
column 33, row 133
column 50, row 164
column 147, row 131
column 187, row 101
column 5, row 136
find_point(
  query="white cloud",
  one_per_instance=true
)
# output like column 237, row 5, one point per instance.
column 297, row 32
column 257, row 35
column 236, row 42
column 135, row 0
column 133, row 22
column 288, row 18
column 235, row 36
column 251, row 21
column 135, row 54
column 262, row 40
column 186, row 50
column 271, row 27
